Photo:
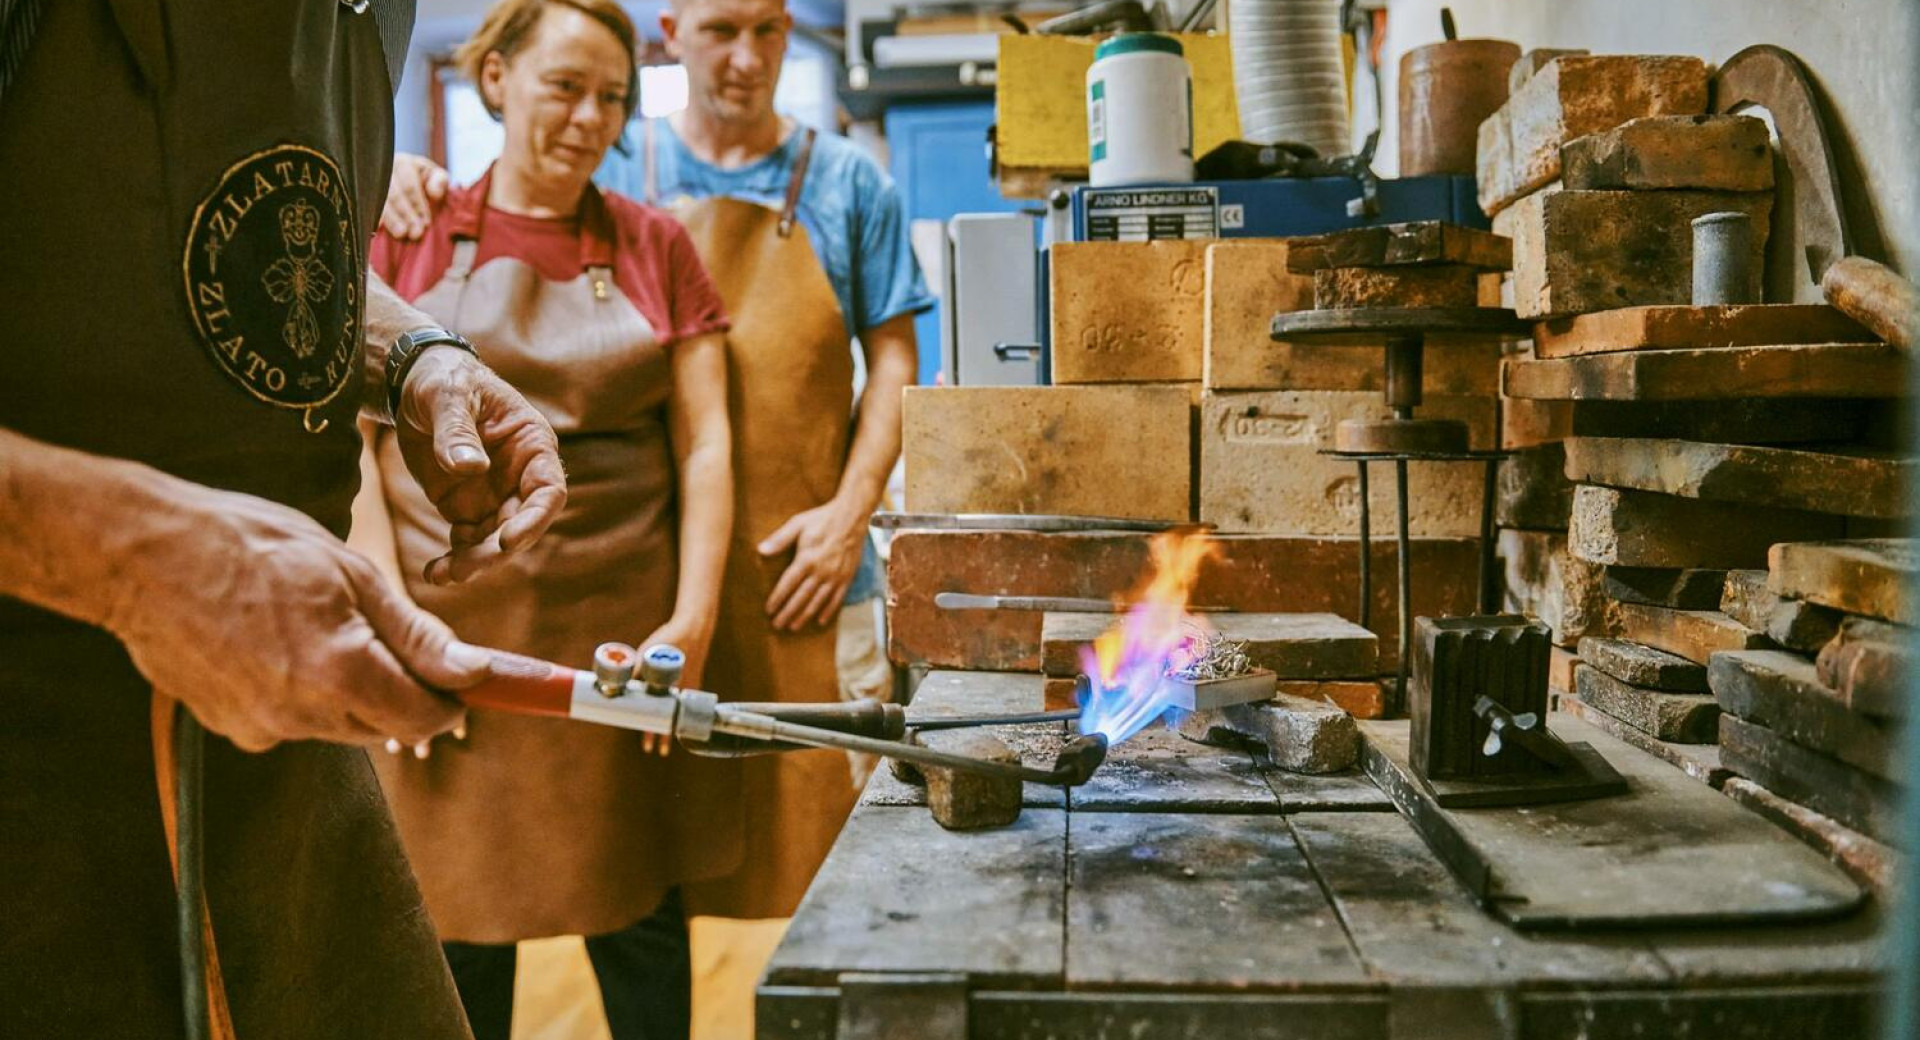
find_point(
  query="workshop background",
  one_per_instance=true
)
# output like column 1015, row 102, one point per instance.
column 929, row 123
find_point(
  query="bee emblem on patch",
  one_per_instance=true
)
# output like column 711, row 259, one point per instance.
column 299, row 279
column 272, row 268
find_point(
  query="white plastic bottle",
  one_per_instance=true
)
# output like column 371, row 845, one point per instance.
column 1139, row 111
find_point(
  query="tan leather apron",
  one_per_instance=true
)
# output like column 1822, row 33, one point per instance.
column 539, row 827
column 790, row 395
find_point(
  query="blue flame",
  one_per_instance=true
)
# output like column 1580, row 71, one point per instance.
column 1131, row 691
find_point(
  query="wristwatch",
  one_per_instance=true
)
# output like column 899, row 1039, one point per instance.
column 407, row 350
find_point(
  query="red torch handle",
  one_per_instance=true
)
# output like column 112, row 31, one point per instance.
column 523, row 686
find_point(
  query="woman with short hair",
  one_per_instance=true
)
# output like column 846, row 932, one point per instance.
column 598, row 310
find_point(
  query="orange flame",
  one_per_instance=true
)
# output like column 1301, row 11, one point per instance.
column 1128, row 662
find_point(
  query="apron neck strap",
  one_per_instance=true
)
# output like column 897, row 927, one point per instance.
column 794, row 183
column 464, row 250
column 649, row 171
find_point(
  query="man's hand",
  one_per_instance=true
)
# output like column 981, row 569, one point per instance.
column 486, row 459
column 826, row 542
column 270, row 629
column 413, row 192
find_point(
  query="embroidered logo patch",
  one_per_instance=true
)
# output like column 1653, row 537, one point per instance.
column 273, row 276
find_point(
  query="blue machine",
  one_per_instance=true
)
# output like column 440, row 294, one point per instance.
column 1277, row 208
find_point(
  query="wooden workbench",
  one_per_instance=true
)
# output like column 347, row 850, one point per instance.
column 1190, row 892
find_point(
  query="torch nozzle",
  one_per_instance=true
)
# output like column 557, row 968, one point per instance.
column 1077, row 761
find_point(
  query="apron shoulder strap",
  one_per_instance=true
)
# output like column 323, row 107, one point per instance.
column 794, row 183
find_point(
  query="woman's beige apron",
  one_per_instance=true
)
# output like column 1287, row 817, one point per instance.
column 790, row 396
column 537, row 827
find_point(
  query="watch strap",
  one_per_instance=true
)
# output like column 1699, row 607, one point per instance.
column 406, row 352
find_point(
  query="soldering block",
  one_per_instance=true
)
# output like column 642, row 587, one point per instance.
column 1301, row 735
column 1303, row 645
column 1128, row 312
column 1248, row 283
column 962, row 800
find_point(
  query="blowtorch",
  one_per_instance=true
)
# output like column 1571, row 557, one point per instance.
column 628, row 689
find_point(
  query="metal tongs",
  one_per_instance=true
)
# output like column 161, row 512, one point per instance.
column 635, row 691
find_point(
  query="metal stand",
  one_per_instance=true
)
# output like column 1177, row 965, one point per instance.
column 1404, row 438
column 1403, row 540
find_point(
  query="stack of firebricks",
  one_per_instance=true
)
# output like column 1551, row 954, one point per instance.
column 1680, row 478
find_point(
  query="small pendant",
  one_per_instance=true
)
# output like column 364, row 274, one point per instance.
column 599, row 288
column 307, row 416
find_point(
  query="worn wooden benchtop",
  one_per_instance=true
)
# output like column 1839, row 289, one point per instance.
column 1188, row 891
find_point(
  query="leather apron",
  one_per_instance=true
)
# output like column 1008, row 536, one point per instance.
column 790, row 397
column 189, row 185
column 536, row 827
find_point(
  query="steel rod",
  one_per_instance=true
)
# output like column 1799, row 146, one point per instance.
column 1404, row 564
column 1366, row 549
column 1021, row 522
column 1032, row 718
column 189, row 823
column 1489, row 581
column 762, row 727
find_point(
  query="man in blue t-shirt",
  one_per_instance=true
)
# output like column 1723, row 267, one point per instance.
column 858, row 228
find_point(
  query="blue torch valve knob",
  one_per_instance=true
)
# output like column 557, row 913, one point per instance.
column 660, row 667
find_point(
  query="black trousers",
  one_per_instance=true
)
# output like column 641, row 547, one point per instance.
column 645, row 972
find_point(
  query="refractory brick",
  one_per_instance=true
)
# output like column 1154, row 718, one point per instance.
column 1570, row 97
column 1127, row 312
column 1579, row 251
column 1261, row 469
column 1079, row 450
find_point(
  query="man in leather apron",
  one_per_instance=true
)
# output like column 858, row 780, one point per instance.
column 802, row 272
column 190, row 336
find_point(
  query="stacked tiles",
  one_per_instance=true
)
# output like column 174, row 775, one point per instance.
column 1533, row 501
column 1596, row 166
column 1270, row 409
column 1676, row 530
column 1810, row 726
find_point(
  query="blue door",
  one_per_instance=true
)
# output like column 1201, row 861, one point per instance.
column 939, row 151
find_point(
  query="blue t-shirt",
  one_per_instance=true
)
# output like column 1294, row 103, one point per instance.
column 849, row 206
